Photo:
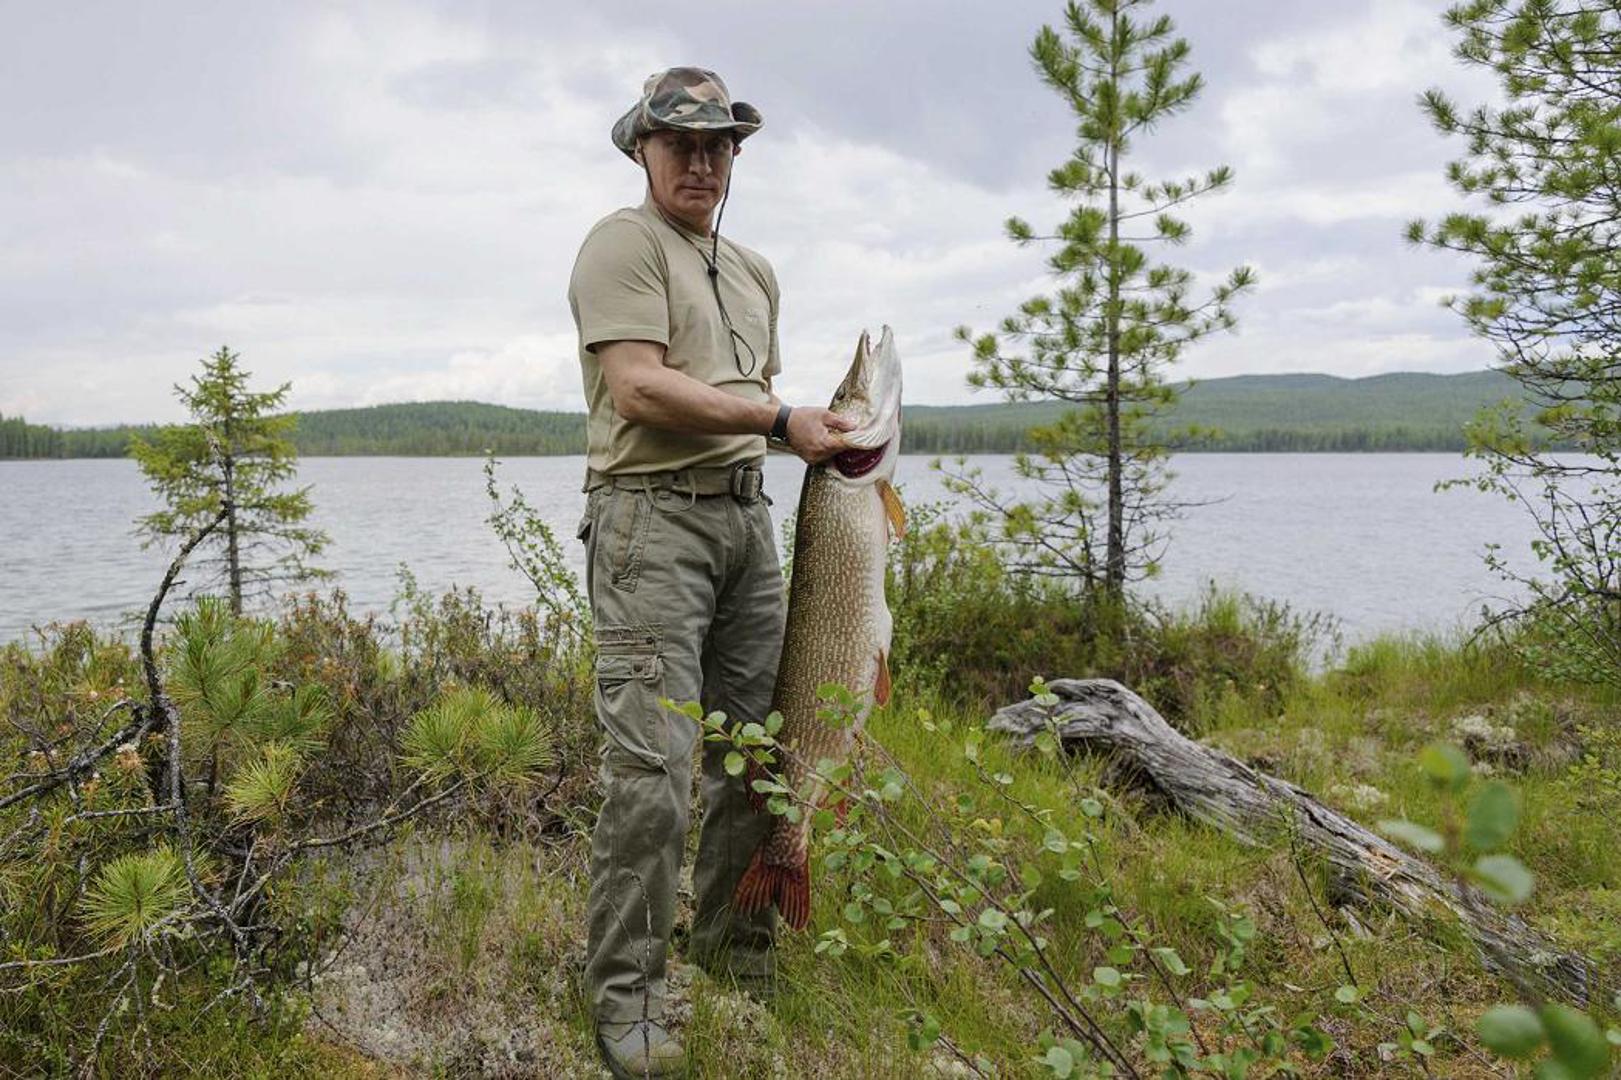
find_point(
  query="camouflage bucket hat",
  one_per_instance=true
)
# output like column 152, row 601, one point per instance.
column 684, row 99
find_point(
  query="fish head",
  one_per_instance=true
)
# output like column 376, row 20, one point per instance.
column 870, row 395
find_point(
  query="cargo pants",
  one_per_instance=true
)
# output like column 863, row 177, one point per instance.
column 687, row 596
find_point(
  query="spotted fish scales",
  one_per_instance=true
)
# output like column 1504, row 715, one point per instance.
column 838, row 620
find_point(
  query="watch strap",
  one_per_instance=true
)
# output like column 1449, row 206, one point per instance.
column 779, row 428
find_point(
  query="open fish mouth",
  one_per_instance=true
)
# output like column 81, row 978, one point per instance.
column 870, row 395
column 859, row 462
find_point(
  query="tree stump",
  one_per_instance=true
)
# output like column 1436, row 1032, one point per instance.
column 1211, row 786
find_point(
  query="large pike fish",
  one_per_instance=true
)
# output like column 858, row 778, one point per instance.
column 838, row 621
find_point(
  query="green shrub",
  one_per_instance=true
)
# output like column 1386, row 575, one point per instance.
column 972, row 631
column 1227, row 644
column 299, row 735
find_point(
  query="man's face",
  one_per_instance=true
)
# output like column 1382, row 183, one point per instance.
column 688, row 171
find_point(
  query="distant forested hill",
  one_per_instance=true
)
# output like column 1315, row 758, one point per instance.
column 1402, row 411
column 1405, row 411
column 431, row 429
column 440, row 428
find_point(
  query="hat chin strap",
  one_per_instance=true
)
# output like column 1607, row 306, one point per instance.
column 720, row 211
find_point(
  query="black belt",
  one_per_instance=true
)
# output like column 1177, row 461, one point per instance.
column 744, row 481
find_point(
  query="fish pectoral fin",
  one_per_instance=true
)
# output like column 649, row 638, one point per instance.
column 893, row 508
column 881, row 689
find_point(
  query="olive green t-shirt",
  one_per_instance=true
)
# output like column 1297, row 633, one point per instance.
column 640, row 277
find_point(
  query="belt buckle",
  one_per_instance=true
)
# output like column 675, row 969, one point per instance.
column 747, row 483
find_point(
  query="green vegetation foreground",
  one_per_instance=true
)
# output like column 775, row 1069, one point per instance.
column 455, row 946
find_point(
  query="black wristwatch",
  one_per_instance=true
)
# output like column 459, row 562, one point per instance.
column 779, row 428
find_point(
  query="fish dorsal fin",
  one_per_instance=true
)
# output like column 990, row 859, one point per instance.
column 893, row 508
column 881, row 691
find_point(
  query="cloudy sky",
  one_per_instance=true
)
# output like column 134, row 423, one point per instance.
column 381, row 202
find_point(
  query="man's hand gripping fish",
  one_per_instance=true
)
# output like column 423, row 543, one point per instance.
column 838, row 621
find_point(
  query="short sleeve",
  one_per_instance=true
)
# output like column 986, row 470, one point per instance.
column 773, row 361
column 618, row 290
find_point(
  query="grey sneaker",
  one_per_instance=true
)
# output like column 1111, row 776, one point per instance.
column 640, row 1049
column 760, row 988
column 750, row 973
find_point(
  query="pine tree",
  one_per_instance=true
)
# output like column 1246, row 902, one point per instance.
column 1548, row 296
column 232, row 457
column 1102, row 341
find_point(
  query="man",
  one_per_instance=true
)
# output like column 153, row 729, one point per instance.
column 678, row 347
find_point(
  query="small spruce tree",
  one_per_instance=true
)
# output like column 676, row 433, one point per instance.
column 233, row 457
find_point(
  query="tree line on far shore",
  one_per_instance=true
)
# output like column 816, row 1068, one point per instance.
column 20, row 439
column 1252, row 413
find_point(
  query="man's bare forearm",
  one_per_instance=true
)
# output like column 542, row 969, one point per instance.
column 670, row 399
column 644, row 391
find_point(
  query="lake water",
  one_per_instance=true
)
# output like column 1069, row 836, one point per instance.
column 1362, row 536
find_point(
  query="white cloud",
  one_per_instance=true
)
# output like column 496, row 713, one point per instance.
column 385, row 202
column 535, row 371
column 1379, row 46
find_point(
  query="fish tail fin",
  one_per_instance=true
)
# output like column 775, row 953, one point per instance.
column 788, row 887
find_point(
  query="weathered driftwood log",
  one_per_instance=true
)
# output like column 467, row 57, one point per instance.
column 1102, row 716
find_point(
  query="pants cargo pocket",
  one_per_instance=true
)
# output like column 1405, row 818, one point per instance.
column 631, row 518
column 629, row 686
